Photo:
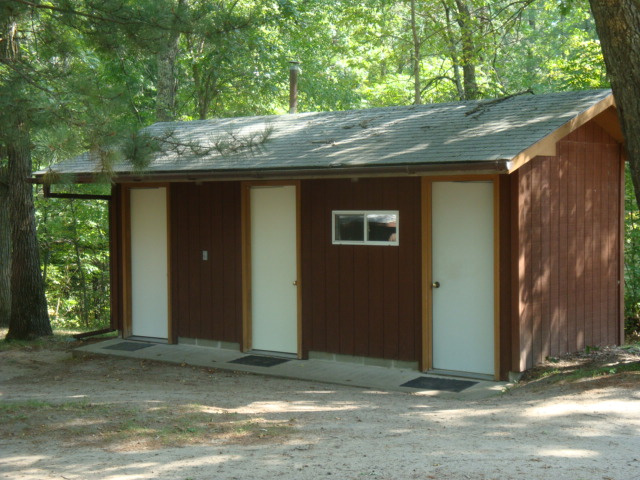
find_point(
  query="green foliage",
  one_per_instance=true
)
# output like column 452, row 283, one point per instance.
column 74, row 247
column 632, row 259
column 551, row 48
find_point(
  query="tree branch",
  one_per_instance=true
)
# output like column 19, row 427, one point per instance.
column 74, row 12
column 482, row 106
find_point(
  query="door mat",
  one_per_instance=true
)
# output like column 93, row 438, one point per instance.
column 446, row 384
column 259, row 361
column 128, row 346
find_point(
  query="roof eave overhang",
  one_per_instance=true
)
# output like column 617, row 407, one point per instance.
column 445, row 168
column 602, row 112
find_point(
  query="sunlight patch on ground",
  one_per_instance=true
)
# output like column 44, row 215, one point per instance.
column 284, row 407
column 135, row 464
column 626, row 408
column 505, row 434
column 313, row 392
column 463, row 415
column 205, row 459
column 21, row 461
column 468, row 412
column 568, row 453
column 80, row 422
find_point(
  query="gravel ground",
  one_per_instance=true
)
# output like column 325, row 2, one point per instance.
column 115, row 418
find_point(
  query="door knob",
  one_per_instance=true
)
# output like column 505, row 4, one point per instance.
column 435, row 285
column 295, row 283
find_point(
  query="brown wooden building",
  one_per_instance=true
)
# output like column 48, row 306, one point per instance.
column 473, row 237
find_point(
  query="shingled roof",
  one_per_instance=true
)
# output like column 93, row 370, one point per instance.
column 486, row 134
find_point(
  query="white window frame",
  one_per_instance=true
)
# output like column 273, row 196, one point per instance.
column 365, row 214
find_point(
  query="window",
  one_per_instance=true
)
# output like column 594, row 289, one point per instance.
column 365, row 227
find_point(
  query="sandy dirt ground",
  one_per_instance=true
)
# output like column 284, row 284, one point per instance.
column 113, row 418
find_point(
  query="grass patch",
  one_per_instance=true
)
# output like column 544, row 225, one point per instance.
column 62, row 339
column 576, row 373
column 121, row 426
column 592, row 363
column 593, row 372
column 550, row 373
column 57, row 341
column 633, row 347
column 13, row 407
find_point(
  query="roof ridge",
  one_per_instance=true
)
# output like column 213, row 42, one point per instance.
column 389, row 108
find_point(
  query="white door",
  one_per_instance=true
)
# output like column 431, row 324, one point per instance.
column 149, row 283
column 463, row 267
column 274, row 297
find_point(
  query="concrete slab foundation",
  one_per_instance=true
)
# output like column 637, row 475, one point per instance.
column 325, row 370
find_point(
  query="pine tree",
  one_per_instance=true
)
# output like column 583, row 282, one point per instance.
column 28, row 317
column 618, row 25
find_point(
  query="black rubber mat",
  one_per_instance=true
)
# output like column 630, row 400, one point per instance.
column 446, row 384
column 128, row 346
column 259, row 361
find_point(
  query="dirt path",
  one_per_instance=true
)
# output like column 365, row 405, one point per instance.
column 114, row 418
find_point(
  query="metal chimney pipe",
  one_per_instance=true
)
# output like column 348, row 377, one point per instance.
column 294, row 70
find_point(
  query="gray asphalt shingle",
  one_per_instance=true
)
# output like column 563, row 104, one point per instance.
column 469, row 132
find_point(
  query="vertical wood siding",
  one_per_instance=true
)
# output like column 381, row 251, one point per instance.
column 568, row 257
column 507, row 346
column 361, row 300
column 115, row 257
column 206, row 298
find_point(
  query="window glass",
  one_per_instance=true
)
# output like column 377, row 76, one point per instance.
column 382, row 227
column 367, row 227
column 349, row 227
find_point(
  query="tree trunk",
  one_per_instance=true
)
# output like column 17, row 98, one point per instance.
column 5, row 251
column 471, row 91
column 453, row 52
column 166, row 86
column 166, row 83
column 618, row 26
column 29, row 316
column 204, row 90
column 415, row 60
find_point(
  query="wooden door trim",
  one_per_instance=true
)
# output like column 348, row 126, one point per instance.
column 171, row 339
column 496, row 277
column 126, row 262
column 246, row 266
column 426, row 357
column 247, row 331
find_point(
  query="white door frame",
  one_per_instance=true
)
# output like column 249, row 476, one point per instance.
column 426, row 360
column 247, row 333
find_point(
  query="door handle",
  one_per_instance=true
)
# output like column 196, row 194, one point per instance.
column 295, row 283
column 435, row 285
